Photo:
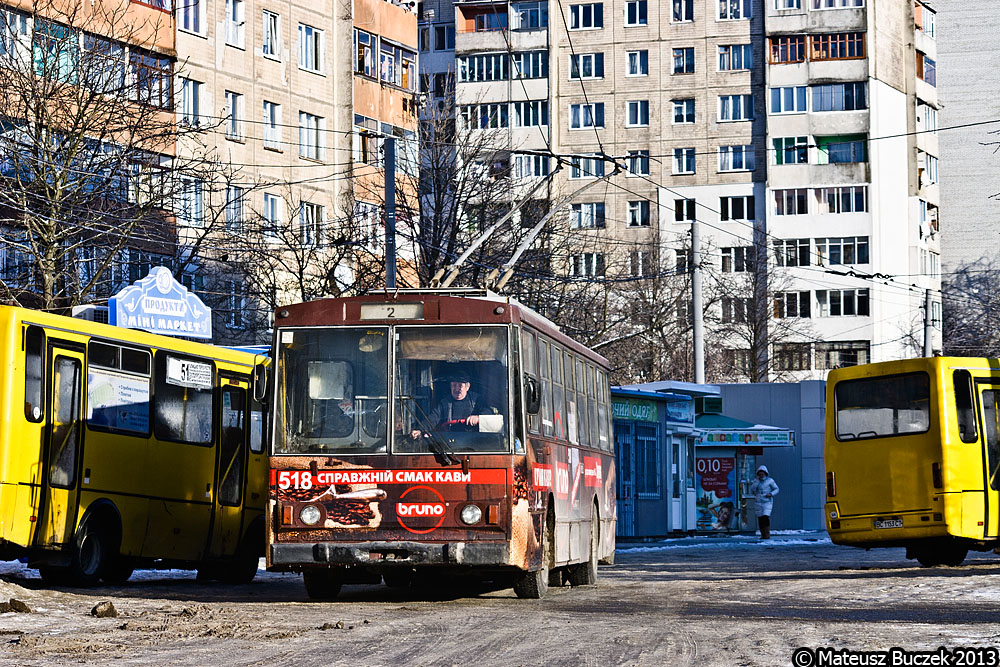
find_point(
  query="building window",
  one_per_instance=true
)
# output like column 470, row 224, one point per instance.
column 638, row 213
column 364, row 52
column 490, row 21
column 270, row 46
column 735, row 107
column 791, row 202
column 397, row 66
column 684, row 60
column 736, row 158
column 791, row 252
column 782, row 5
column 587, row 265
column 790, row 99
column 636, row 13
column 587, row 215
column 310, row 48
column 641, row 264
column 738, row 260
column 272, row 216
column 484, row 67
column 638, row 63
column 927, row 117
column 272, row 125
column 234, row 209
column 190, row 102
column 153, row 77
column 532, row 64
column 930, row 169
column 851, row 96
column 733, row 10
column 838, row 46
column 791, row 150
column 792, row 357
column 836, row 4
column 926, row 69
column 529, row 15
column 310, row 223
column 684, row 210
column 191, row 207
column 733, row 57
column 842, row 354
column 684, row 161
column 236, row 303
column 234, row 115
column 842, row 250
column 486, row 116
column 736, row 311
column 235, row 23
column 582, row 116
column 740, row 209
column 444, row 37
column 530, row 166
column 586, row 66
column 586, row 17
column 792, row 304
column 638, row 113
column 532, row 113
column 190, row 16
column 925, row 20
column 586, row 167
column 842, row 150
column 683, row 111
column 788, row 49
column 683, row 11
column 637, row 163
column 842, row 302
column 14, row 37
column 843, row 199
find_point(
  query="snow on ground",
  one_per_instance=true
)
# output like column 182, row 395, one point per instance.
column 782, row 538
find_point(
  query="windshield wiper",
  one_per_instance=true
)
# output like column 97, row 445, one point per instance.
column 438, row 445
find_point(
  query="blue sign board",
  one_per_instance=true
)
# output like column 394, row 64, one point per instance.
column 160, row 304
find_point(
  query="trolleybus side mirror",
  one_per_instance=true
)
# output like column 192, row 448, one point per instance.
column 259, row 382
column 532, row 395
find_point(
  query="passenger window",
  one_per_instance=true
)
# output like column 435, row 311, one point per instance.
column 118, row 388
column 558, row 399
column 548, row 427
column 581, row 405
column 183, row 401
column 231, row 454
column 964, row 406
column 602, row 409
column 34, row 344
column 528, row 345
column 256, row 426
column 65, row 436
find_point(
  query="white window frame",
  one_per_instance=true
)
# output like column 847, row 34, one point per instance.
column 270, row 44
column 584, row 110
column 686, row 12
column 272, row 126
column 684, row 161
column 640, row 60
column 641, row 8
column 272, row 216
column 735, row 10
column 820, row 5
column 311, row 48
column 190, row 101
column 234, row 213
column 738, row 157
column 798, row 94
column 311, row 136
column 684, row 106
column 311, row 221
column 577, row 16
column 587, row 167
column 236, row 23
column 736, row 113
column 637, row 113
column 587, row 215
column 191, row 211
column 745, row 55
column 638, row 213
column 191, row 17
column 637, row 163
column 578, row 63
column 786, row 5
column 234, row 116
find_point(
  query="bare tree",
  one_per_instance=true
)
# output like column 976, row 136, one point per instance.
column 971, row 310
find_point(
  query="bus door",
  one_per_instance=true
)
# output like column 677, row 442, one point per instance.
column 231, row 467
column 990, row 399
column 63, row 432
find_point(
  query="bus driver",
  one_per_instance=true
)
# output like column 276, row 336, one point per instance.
column 460, row 410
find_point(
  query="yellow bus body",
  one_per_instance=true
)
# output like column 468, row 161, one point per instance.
column 71, row 482
column 929, row 491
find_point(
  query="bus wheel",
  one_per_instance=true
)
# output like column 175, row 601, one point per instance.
column 242, row 568
column 954, row 554
column 117, row 572
column 321, row 584
column 585, row 574
column 90, row 556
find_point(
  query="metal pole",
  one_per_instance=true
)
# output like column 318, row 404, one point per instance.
column 389, row 146
column 928, row 327
column 696, row 304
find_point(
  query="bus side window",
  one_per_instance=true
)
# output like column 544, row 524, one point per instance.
column 964, row 406
column 543, row 372
column 34, row 343
column 602, row 409
column 558, row 399
column 581, row 404
column 529, row 367
column 183, row 400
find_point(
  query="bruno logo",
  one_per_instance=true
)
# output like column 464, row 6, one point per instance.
column 421, row 509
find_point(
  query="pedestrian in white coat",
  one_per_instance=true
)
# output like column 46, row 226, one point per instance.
column 764, row 488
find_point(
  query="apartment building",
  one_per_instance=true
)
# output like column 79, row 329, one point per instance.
column 295, row 98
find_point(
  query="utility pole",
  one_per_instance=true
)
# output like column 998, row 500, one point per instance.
column 389, row 148
column 928, row 325
column 696, row 304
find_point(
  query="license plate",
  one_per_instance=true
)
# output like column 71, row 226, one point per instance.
column 888, row 523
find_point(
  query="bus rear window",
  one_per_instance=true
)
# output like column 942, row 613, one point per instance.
column 883, row 406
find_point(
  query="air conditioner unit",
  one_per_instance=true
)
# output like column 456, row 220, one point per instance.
column 708, row 405
column 92, row 313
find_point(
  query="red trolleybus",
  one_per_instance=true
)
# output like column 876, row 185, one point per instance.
column 437, row 432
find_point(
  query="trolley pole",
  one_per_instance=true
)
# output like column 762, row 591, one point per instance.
column 696, row 304
column 928, row 325
column 389, row 147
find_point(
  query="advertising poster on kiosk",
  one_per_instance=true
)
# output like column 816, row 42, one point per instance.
column 715, row 473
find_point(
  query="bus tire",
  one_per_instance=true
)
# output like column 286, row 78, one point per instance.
column 321, row 584
column 585, row 574
column 91, row 555
column 243, row 567
column 117, row 572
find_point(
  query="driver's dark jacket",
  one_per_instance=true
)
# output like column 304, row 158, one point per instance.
column 449, row 409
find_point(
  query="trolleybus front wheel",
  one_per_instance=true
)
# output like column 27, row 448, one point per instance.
column 322, row 584
column 585, row 574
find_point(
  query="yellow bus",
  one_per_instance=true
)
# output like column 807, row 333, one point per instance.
column 122, row 449
column 912, row 454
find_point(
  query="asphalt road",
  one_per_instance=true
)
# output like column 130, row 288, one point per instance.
column 705, row 601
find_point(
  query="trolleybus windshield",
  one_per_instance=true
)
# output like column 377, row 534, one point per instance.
column 883, row 406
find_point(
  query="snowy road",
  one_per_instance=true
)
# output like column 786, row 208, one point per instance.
column 704, row 601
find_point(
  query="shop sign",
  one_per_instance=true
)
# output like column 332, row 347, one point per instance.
column 636, row 409
column 680, row 411
column 761, row 438
column 160, row 304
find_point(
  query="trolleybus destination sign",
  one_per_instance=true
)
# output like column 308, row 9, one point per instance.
column 160, row 304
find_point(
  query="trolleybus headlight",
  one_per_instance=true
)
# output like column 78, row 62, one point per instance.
column 309, row 515
column 471, row 514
